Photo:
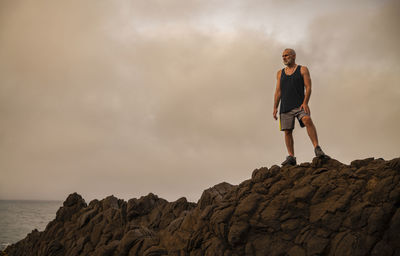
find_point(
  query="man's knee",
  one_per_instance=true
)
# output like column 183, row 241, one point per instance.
column 306, row 120
column 288, row 132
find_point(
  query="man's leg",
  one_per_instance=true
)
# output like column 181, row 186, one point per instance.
column 289, row 142
column 311, row 130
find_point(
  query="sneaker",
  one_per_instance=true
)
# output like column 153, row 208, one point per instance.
column 318, row 152
column 290, row 160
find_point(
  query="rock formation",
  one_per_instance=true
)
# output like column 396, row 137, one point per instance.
column 319, row 208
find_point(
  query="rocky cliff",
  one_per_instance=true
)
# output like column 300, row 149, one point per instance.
column 319, row 208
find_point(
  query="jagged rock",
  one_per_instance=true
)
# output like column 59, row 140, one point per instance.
column 319, row 208
column 72, row 204
column 214, row 195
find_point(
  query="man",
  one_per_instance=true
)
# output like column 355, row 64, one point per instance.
column 291, row 82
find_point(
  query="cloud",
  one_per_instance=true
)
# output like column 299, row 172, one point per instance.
column 354, row 59
column 101, row 107
column 126, row 98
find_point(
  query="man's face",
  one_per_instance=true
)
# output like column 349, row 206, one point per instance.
column 288, row 58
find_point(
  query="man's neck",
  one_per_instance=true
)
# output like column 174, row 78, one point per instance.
column 291, row 65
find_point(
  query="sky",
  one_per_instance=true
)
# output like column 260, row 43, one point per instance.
column 172, row 97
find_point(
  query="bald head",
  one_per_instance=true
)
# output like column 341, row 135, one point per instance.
column 289, row 57
column 290, row 51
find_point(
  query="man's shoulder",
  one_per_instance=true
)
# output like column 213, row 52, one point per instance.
column 278, row 74
column 303, row 69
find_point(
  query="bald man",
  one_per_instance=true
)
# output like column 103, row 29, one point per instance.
column 290, row 86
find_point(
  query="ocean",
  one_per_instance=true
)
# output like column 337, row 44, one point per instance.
column 19, row 218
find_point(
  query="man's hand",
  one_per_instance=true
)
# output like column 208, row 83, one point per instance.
column 306, row 108
column 274, row 113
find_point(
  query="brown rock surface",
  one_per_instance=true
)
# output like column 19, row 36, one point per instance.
column 319, row 208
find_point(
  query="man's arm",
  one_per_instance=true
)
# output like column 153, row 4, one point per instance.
column 277, row 96
column 307, row 84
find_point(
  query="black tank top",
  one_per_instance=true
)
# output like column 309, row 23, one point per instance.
column 292, row 90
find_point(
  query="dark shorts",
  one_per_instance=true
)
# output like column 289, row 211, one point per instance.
column 286, row 120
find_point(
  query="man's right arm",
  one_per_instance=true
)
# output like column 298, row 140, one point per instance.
column 277, row 96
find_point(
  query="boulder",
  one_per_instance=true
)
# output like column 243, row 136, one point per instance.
column 319, row 208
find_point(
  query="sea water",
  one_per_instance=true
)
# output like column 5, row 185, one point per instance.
column 18, row 218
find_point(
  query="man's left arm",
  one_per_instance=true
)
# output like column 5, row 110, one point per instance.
column 307, row 84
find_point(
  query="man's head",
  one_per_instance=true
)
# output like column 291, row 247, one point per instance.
column 289, row 57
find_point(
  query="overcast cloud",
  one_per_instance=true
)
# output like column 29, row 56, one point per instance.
column 173, row 97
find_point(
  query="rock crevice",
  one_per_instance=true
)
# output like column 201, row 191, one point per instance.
column 319, row 208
